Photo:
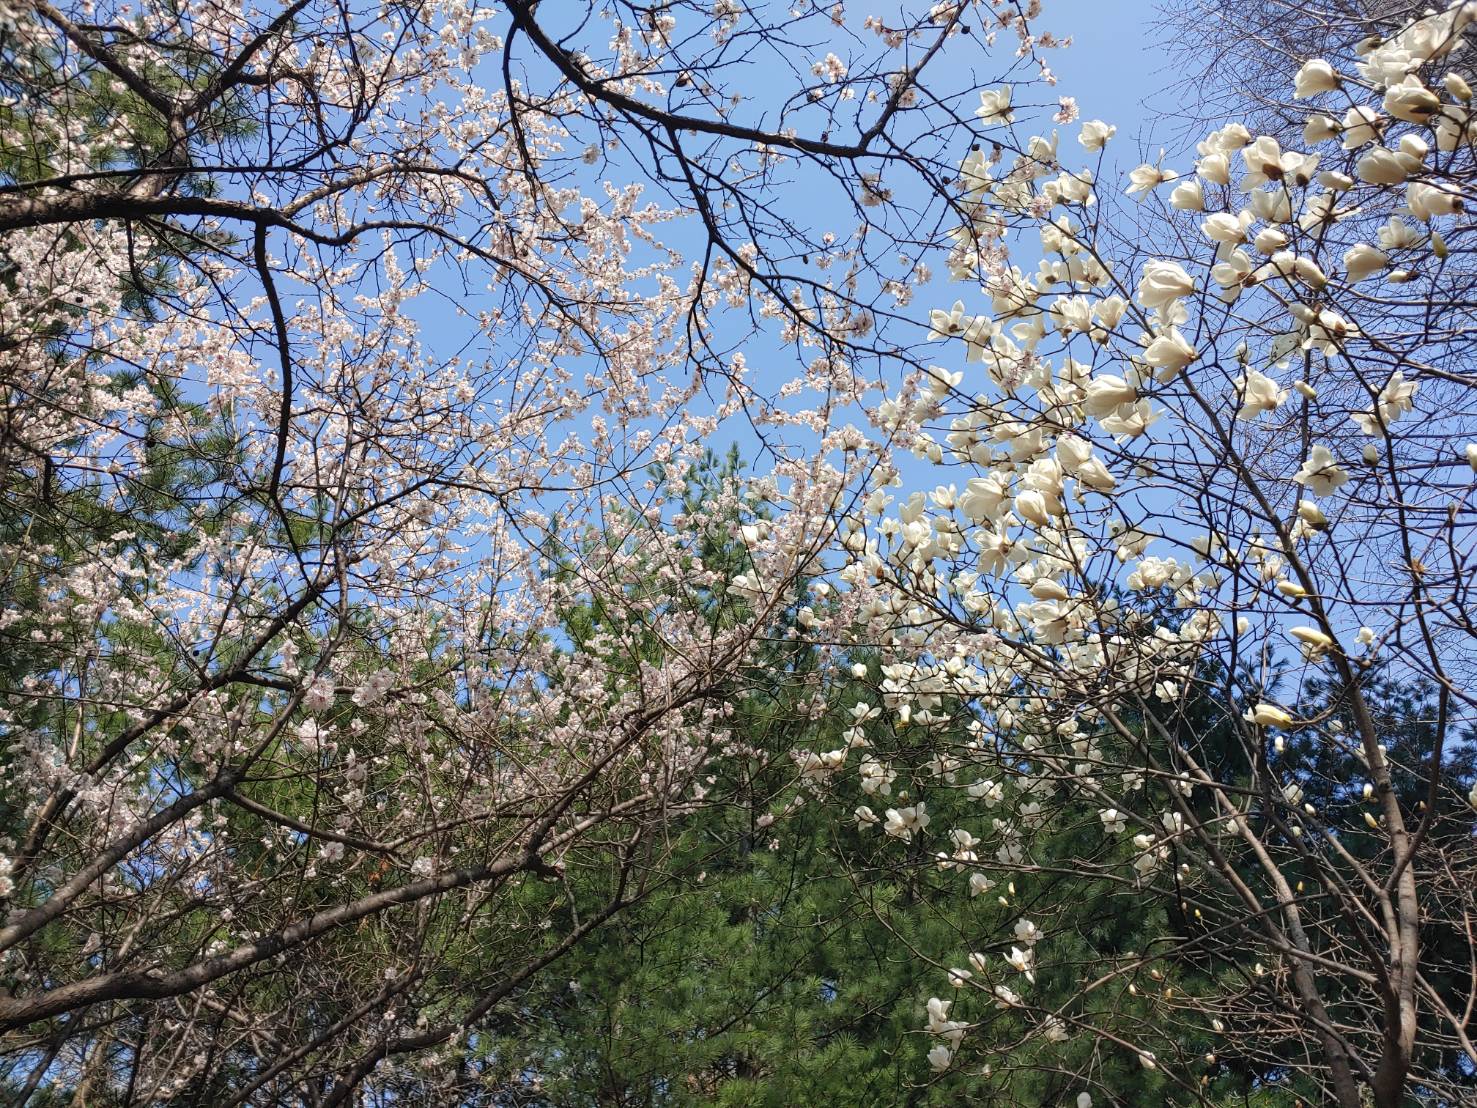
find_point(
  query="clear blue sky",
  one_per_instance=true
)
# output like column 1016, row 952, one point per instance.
column 1112, row 67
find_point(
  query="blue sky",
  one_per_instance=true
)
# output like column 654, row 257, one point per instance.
column 1112, row 67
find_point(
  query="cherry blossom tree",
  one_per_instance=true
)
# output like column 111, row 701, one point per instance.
column 1205, row 474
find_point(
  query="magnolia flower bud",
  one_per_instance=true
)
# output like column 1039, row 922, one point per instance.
column 1312, row 515
column 1470, row 451
column 1411, row 101
column 1315, row 76
column 1381, row 167
column 1456, row 84
column 1269, row 240
column 1265, row 714
column 1363, row 261
column 1312, row 637
column 1319, row 128
column 1188, row 196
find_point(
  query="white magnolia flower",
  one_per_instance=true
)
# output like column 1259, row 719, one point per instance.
column 1259, row 393
column 1312, row 515
column 1411, row 101
column 1027, row 932
column 1265, row 714
column 1146, row 178
column 1363, row 261
column 1397, row 234
column 1095, row 134
column 995, row 105
column 903, row 822
column 1315, row 76
column 1320, row 128
column 1321, row 474
column 1361, row 127
column 1162, row 282
column 1106, row 394
column 940, row 1058
column 1226, row 228
column 1021, row 961
column 1381, row 166
column 1113, row 820
column 939, row 1023
column 1426, row 202
column 1188, row 196
column 1169, row 353
column 1053, row 1030
column 1395, row 399
column 1266, row 162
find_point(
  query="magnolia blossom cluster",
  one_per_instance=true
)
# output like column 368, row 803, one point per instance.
column 1156, row 471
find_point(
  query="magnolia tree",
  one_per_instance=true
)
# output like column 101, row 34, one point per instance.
column 1205, row 486
column 348, row 350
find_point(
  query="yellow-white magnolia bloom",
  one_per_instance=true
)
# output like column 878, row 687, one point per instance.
column 1381, row 166
column 1363, row 261
column 1312, row 515
column 1106, row 394
column 1320, row 128
column 1169, row 353
column 1188, row 196
column 1162, row 282
column 1312, row 638
column 1265, row 714
column 1411, row 101
column 1426, row 202
column 1316, row 76
column 1361, row 126
column 1223, row 227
